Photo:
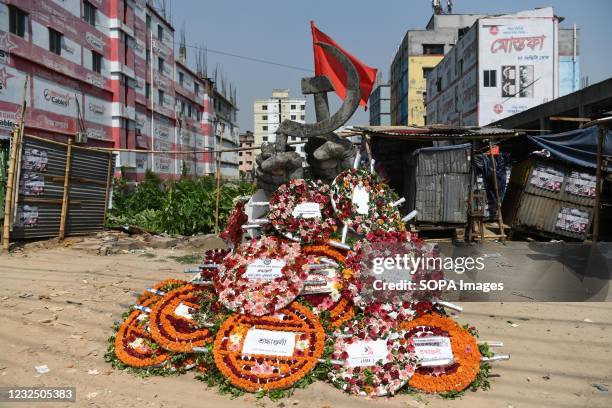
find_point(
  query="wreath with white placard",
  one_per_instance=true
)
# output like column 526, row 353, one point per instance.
column 301, row 210
column 363, row 201
column 261, row 276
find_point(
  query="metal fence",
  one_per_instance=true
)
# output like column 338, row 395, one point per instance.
column 47, row 204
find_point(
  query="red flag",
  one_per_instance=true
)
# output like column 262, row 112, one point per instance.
column 327, row 65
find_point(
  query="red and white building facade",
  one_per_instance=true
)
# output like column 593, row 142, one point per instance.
column 105, row 68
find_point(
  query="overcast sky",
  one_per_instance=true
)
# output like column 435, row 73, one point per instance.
column 279, row 31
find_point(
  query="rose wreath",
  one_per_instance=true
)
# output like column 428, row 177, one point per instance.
column 172, row 323
column 363, row 202
column 301, row 211
column 340, row 309
column 367, row 373
column 363, row 281
column 244, row 293
column 212, row 258
column 233, row 232
column 134, row 345
column 466, row 366
column 263, row 372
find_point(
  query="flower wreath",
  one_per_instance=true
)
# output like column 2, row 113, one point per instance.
column 233, row 232
column 261, row 296
column 134, row 345
column 452, row 378
column 380, row 215
column 340, row 308
column 378, row 378
column 257, row 372
column 163, row 286
column 212, row 257
column 283, row 211
column 172, row 324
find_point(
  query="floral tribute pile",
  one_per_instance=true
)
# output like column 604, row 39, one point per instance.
column 278, row 312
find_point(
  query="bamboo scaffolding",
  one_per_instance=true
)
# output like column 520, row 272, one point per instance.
column 64, row 213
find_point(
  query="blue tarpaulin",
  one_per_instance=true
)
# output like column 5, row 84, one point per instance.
column 578, row 147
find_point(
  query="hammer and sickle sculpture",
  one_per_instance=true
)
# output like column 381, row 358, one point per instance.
column 327, row 154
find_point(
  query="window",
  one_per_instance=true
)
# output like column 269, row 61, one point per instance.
column 160, row 64
column 196, row 88
column 293, row 107
column 17, row 21
column 89, row 13
column 96, row 62
column 264, row 107
column 55, row 41
column 148, row 22
column 302, row 117
column 181, row 78
column 160, row 95
column 148, row 57
column 426, row 71
column 148, row 90
column 240, row 154
column 293, row 117
column 160, row 32
column 490, row 78
column 182, row 108
column 189, row 110
column 303, row 107
column 264, row 117
column 439, row 84
column 433, row 49
column 265, row 138
column 198, row 115
column 264, row 128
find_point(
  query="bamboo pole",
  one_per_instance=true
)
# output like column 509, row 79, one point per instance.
column 470, row 195
column 600, row 143
column 500, row 220
column 10, row 182
column 108, row 184
column 62, row 230
column 218, row 198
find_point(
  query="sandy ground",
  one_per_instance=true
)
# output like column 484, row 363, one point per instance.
column 57, row 306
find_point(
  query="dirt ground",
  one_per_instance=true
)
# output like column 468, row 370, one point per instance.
column 57, row 306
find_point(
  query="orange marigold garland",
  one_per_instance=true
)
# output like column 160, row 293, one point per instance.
column 457, row 376
column 340, row 309
column 172, row 324
column 262, row 372
column 134, row 345
column 163, row 286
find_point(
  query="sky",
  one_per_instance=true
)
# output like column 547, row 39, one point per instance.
column 279, row 31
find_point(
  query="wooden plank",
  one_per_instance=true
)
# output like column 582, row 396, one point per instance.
column 62, row 230
column 569, row 119
column 108, row 185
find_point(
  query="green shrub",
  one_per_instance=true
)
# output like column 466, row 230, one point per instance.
column 184, row 207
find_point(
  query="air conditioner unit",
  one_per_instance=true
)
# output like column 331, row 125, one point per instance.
column 80, row 138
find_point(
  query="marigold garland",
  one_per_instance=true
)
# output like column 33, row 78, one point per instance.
column 163, row 286
column 174, row 332
column 380, row 215
column 288, row 196
column 257, row 296
column 259, row 372
column 340, row 309
column 134, row 345
column 466, row 367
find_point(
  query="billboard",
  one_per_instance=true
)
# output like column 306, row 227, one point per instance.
column 517, row 66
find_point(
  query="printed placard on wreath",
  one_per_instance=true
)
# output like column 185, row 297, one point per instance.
column 307, row 210
column 269, row 342
column 265, row 269
column 433, row 350
column 366, row 353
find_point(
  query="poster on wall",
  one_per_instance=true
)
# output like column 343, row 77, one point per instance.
column 547, row 178
column 581, row 184
column 34, row 159
column 572, row 220
column 32, row 184
column 27, row 216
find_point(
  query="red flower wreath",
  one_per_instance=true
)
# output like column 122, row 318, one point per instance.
column 301, row 211
column 240, row 289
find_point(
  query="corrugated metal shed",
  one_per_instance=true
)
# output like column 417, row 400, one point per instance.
column 440, row 184
column 41, row 189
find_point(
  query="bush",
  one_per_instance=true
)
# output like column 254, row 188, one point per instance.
column 184, row 207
